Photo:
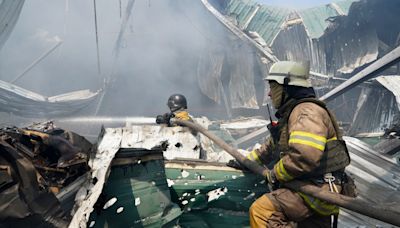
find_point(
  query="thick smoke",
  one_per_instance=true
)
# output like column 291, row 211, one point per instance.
column 158, row 54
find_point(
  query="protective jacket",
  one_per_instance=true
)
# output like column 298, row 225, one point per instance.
column 308, row 146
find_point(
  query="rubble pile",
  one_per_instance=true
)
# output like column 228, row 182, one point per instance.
column 36, row 164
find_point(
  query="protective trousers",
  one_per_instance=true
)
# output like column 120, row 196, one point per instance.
column 284, row 208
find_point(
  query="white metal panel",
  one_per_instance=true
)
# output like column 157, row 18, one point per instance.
column 181, row 142
column 392, row 83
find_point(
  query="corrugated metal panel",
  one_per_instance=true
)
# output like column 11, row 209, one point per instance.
column 241, row 84
column 374, row 174
column 218, row 195
column 392, row 83
column 268, row 21
column 22, row 102
column 209, row 75
column 345, row 48
column 243, row 10
column 109, row 144
column 139, row 191
column 315, row 19
column 213, row 193
column 377, row 107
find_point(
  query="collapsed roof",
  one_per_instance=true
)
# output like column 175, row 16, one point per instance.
column 339, row 39
column 22, row 102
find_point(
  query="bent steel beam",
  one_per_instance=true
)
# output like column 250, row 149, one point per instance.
column 367, row 73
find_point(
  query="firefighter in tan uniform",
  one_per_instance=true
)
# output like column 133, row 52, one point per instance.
column 304, row 145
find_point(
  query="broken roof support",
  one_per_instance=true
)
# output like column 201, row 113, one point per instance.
column 246, row 24
column 252, row 135
column 367, row 73
column 239, row 33
column 38, row 60
column 265, row 51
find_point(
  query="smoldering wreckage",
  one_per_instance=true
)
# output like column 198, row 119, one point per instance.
column 149, row 175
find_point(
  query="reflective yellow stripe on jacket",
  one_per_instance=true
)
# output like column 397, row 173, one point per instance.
column 319, row 206
column 309, row 139
column 281, row 172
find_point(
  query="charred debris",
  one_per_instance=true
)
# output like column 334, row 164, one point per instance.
column 40, row 168
column 56, row 178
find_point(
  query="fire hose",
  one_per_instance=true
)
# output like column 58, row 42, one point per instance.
column 358, row 205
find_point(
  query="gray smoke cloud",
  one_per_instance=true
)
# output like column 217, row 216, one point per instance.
column 158, row 54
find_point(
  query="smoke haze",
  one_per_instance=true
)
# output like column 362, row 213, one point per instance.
column 158, row 54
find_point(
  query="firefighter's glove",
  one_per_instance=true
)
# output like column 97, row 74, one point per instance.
column 160, row 119
column 235, row 164
column 164, row 119
column 272, row 182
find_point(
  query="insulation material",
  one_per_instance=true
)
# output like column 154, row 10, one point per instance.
column 209, row 75
column 241, row 84
column 179, row 143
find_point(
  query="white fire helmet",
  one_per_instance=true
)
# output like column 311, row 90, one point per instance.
column 290, row 73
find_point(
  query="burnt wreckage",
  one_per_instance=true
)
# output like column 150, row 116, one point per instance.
column 146, row 175
column 39, row 167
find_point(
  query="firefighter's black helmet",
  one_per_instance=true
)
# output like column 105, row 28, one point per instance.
column 176, row 102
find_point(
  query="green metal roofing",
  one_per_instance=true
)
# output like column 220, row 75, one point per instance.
column 268, row 19
column 241, row 8
column 266, row 22
column 315, row 19
column 345, row 5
